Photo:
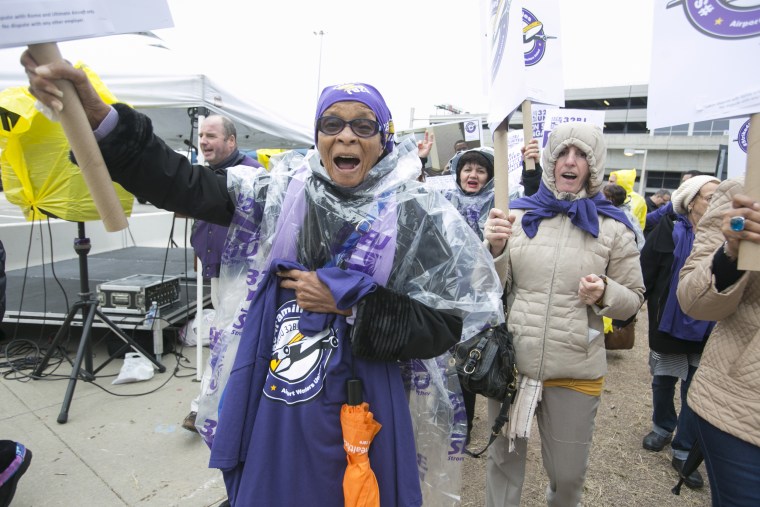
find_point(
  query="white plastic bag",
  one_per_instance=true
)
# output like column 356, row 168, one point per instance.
column 188, row 335
column 136, row 367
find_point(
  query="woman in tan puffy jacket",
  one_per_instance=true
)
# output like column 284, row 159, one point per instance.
column 567, row 257
column 725, row 390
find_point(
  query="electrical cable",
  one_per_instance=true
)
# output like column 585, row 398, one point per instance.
column 52, row 266
column 23, row 282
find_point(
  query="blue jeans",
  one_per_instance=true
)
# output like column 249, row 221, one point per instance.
column 733, row 467
column 664, row 418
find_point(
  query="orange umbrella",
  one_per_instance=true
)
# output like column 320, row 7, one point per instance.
column 359, row 483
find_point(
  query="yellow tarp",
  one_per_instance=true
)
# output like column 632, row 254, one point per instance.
column 37, row 173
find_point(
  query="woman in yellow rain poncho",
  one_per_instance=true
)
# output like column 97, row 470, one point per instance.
column 626, row 178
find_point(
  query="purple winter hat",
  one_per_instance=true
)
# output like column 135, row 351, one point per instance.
column 367, row 95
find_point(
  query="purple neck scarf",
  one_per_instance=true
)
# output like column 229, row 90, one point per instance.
column 583, row 213
column 673, row 321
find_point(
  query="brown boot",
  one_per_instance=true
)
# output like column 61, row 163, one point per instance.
column 189, row 422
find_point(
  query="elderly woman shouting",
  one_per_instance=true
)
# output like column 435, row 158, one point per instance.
column 567, row 257
column 338, row 266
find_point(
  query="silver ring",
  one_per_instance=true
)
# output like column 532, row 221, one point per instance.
column 737, row 223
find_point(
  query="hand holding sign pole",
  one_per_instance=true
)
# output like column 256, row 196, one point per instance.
column 749, row 252
column 83, row 144
column 526, row 67
column 40, row 25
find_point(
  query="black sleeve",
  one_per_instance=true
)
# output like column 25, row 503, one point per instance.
column 649, row 265
column 531, row 179
column 725, row 270
column 657, row 244
column 391, row 326
column 143, row 164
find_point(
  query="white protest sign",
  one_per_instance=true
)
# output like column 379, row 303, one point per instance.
column 471, row 130
column 40, row 25
column 738, row 138
column 515, row 140
column 556, row 117
column 704, row 61
column 542, row 51
column 539, row 117
column 440, row 183
column 24, row 22
column 507, row 76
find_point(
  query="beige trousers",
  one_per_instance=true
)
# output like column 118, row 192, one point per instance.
column 566, row 425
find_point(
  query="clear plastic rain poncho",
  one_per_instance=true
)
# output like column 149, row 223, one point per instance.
column 474, row 207
column 418, row 246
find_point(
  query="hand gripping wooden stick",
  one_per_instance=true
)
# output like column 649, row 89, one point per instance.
column 83, row 144
column 749, row 253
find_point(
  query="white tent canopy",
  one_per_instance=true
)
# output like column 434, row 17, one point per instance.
column 160, row 83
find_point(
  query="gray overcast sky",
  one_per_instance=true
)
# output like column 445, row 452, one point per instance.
column 418, row 53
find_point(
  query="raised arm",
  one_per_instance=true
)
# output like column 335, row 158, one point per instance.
column 135, row 157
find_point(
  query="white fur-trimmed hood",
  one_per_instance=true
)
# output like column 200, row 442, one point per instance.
column 588, row 138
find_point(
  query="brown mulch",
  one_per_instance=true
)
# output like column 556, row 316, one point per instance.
column 621, row 473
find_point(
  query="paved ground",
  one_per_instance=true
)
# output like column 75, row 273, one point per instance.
column 122, row 445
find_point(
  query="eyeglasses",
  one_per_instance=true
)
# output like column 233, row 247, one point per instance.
column 362, row 127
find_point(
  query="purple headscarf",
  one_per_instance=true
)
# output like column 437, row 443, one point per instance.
column 367, row 95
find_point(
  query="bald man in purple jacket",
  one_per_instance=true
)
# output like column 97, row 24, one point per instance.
column 218, row 144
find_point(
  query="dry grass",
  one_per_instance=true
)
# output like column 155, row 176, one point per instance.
column 621, row 473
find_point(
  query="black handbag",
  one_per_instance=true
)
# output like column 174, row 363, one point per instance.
column 486, row 365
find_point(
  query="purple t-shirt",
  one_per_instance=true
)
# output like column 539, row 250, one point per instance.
column 279, row 440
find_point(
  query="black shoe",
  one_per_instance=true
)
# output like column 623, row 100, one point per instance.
column 8, row 490
column 655, row 442
column 226, row 503
column 693, row 480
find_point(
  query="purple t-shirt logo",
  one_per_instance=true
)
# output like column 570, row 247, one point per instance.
column 297, row 369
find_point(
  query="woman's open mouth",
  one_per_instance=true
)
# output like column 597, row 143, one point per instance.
column 346, row 163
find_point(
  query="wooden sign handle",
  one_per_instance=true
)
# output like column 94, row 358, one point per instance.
column 749, row 253
column 83, row 144
column 501, row 167
column 527, row 120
